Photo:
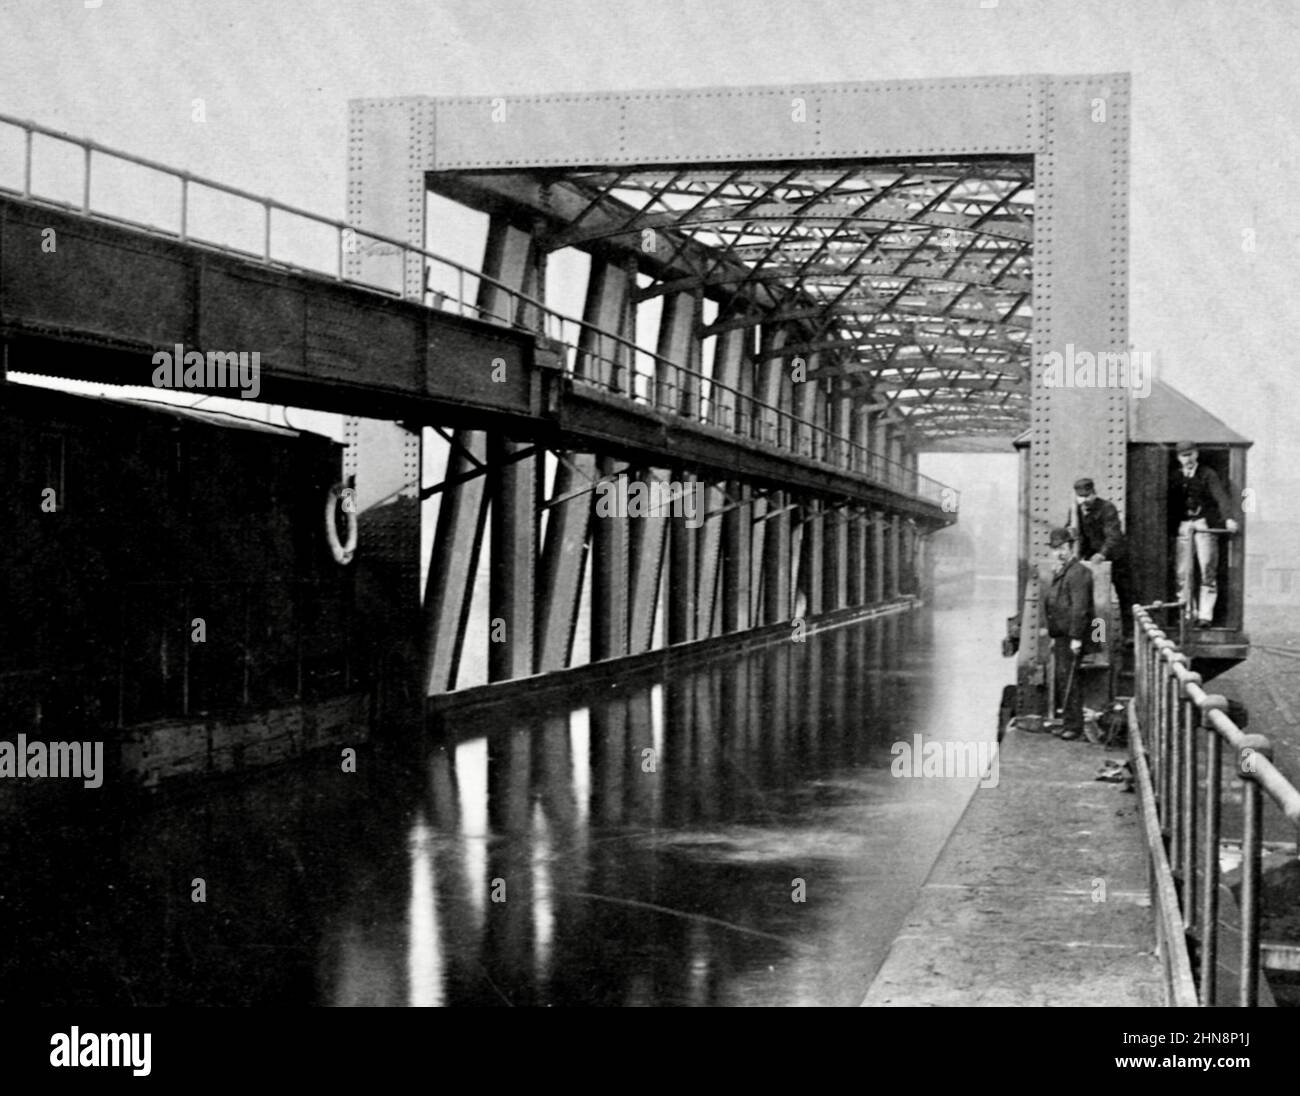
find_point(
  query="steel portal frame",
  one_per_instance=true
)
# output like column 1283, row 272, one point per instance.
column 755, row 189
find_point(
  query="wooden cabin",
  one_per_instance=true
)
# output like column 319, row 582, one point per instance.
column 169, row 586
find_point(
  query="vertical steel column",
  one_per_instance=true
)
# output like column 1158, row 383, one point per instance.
column 608, row 291
column 609, row 579
column 737, row 557
column 389, row 149
column 728, row 364
column 777, row 389
column 564, row 553
column 812, row 557
column 835, row 573
column 684, row 608
column 806, row 405
column 759, row 507
column 679, row 350
column 896, row 473
column 513, row 480
column 708, row 561
column 453, row 561
column 855, row 517
column 1080, row 291
column 895, row 549
column 564, row 559
column 646, row 545
column 776, row 559
column 511, row 568
column 877, row 556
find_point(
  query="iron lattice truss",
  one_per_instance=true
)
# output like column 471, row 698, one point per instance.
column 910, row 279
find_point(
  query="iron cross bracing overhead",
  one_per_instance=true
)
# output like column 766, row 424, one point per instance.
column 910, row 278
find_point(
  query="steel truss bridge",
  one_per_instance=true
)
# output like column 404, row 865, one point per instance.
column 843, row 277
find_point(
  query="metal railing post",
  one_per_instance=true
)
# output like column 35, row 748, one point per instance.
column 1174, row 784
column 1188, row 799
column 1210, row 857
column 1251, row 853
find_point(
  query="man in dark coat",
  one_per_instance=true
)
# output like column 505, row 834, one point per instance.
column 1197, row 503
column 1100, row 537
column 1068, row 604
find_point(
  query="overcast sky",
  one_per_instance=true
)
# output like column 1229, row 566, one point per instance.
column 1214, row 145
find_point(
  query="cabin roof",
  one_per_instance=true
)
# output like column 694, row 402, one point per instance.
column 35, row 394
column 1167, row 416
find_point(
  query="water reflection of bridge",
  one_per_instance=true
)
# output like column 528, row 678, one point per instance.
column 539, row 854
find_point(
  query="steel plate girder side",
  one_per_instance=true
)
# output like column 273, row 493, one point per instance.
column 901, row 118
column 1080, row 298
column 564, row 558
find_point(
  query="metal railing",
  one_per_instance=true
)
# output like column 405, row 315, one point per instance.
column 590, row 355
column 1172, row 709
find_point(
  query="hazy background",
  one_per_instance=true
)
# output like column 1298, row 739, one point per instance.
column 1214, row 134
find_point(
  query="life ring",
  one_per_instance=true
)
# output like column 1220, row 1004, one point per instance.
column 342, row 552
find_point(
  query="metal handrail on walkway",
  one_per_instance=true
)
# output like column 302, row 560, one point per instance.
column 1171, row 708
column 592, row 356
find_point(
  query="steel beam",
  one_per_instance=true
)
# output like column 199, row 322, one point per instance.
column 776, row 560
column 737, row 555
column 646, row 546
column 684, row 576
column 564, row 559
column 812, row 557
column 877, row 556
column 856, row 591
column 511, row 592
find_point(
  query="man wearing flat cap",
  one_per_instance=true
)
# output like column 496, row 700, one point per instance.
column 1100, row 537
column 1198, row 503
column 1068, row 605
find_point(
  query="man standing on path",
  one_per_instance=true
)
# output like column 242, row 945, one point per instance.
column 1068, row 603
column 1100, row 537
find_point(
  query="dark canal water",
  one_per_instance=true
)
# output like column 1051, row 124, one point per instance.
column 644, row 846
